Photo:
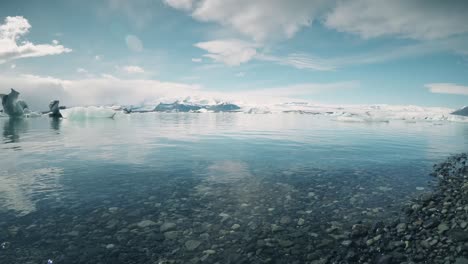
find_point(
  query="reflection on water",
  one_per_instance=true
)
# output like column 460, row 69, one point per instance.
column 13, row 128
column 55, row 123
column 226, row 188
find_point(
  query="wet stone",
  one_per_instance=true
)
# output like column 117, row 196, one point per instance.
column 346, row 243
column 285, row 243
column 443, row 228
column 191, row 245
column 171, row 235
column 167, row 227
column 300, row 222
column 110, row 246
column 146, row 223
column 285, row 220
column 461, row 261
column 401, row 228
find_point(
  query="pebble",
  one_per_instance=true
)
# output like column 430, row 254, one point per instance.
column 442, row 228
column 300, row 222
column 285, row 243
column 346, row 243
column 167, row 227
column 285, row 220
column 401, row 228
column 146, row 223
column 461, row 261
column 171, row 235
column 235, row 226
column 191, row 245
column 110, row 246
column 463, row 224
column 209, row 252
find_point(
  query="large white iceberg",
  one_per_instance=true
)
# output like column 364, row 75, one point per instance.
column 90, row 112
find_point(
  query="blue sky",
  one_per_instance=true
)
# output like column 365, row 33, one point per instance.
column 333, row 52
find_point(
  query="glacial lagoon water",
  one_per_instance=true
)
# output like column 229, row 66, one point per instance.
column 205, row 188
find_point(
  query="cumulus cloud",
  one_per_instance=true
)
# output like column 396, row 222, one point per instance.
column 261, row 19
column 417, row 19
column 196, row 60
column 134, row 43
column 180, row 4
column 133, row 69
column 447, row 88
column 13, row 29
column 231, row 52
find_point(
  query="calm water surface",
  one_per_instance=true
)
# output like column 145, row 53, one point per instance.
column 205, row 188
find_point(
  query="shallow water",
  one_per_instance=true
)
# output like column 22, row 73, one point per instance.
column 231, row 188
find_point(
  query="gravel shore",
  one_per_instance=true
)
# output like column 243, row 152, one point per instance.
column 433, row 229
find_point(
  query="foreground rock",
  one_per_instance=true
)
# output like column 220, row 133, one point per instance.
column 434, row 228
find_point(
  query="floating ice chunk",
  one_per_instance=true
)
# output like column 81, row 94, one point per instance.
column 90, row 112
column 259, row 110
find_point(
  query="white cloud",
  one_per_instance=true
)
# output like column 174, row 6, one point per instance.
column 240, row 74
column 97, row 57
column 447, row 88
column 197, row 60
column 81, row 70
column 55, row 42
column 38, row 91
column 11, row 32
column 180, row 4
column 134, row 43
column 13, row 66
column 297, row 90
column 300, row 61
column 231, row 52
column 260, row 19
column 133, row 69
column 307, row 61
column 417, row 19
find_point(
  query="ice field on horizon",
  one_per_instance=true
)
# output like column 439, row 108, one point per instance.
column 342, row 113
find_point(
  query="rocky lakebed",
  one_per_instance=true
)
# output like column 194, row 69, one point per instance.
column 244, row 225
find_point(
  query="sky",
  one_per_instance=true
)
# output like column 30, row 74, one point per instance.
column 85, row 52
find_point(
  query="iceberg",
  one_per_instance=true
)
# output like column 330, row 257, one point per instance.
column 12, row 106
column 90, row 112
column 224, row 107
column 461, row 112
column 176, row 107
column 55, row 109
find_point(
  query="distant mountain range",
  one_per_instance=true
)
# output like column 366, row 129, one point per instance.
column 184, row 107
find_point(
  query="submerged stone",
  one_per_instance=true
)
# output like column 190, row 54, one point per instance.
column 192, row 244
column 167, row 227
column 146, row 223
